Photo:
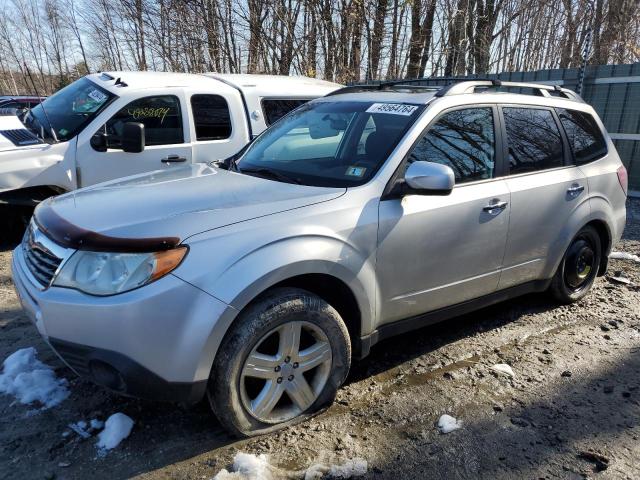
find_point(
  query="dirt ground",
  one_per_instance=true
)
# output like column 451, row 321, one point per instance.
column 572, row 410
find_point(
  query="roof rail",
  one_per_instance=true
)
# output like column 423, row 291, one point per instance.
column 469, row 86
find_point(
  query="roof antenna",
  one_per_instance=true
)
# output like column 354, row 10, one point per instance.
column 44, row 110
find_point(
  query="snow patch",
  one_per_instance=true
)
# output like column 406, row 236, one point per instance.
column 247, row 466
column 30, row 380
column 356, row 467
column 503, row 368
column 624, row 256
column 96, row 424
column 117, row 427
column 447, row 424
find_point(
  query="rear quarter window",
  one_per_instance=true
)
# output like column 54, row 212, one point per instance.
column 585, row 137
column 275, row 109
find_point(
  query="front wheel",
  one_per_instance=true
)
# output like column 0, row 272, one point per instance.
column 579, row 267
column 281, row 362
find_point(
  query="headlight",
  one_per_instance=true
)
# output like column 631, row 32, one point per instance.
column 100, row 273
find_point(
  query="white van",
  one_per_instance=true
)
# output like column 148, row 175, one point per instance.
column 115, row 124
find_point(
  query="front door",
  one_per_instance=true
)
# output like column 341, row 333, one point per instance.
column 436, row 251
column 166, row 146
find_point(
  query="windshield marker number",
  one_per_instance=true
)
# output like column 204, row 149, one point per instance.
column 392, row 108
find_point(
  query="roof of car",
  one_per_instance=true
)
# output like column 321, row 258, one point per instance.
column 409, row 92
column 294, row 85
column 397, row 95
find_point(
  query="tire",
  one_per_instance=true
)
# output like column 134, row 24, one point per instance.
column 578, row 269
column 241, row 401
column 14, row 221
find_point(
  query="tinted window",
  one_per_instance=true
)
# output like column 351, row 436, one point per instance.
column 585, row 138
column 274, row 110
column 161, row 118
column 464, row 140
column 534, row 140
column 211, row 117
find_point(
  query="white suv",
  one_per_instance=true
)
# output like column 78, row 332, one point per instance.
column 364, row 214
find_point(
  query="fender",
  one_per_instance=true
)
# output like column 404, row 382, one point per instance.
column 273, row 263
column 39, row 165
column 591, row 209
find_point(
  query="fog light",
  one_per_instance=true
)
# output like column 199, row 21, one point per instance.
column 106, row 375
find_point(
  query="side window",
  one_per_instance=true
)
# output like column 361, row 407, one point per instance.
column 534, row 140
column 585, row 137
column 275, row 109
column 462, row 139
column 211, row 117
column 161, row 118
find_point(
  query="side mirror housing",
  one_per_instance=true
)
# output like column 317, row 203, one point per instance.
column 99, row 142
column 428, row 178
column 133, row 137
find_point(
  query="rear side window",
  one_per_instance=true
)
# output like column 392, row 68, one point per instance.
column 534, row 140
column 585, row 137
column 211, row 117
column 160, row 116
column 275, row 109
column 463, row 140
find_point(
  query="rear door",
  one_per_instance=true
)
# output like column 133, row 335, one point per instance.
column 218, row 124
column 545, row 189
column 435, row 251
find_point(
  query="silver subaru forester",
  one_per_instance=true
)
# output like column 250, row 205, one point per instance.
column 255, row 280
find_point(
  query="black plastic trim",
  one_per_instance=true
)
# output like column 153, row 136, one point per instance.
column 442, row 314
column 134, row 379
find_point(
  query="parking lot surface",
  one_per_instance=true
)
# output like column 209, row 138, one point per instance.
column 570, row 410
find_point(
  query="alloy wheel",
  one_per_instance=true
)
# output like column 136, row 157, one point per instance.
column 285, row 372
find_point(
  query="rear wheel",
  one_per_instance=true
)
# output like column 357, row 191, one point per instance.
column 280, row 363
column 579, row 267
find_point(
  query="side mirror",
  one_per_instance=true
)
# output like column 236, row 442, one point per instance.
column 428, row 178
column 99, row 142
column 133, row 137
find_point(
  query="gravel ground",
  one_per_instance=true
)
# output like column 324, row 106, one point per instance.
column 572, row 410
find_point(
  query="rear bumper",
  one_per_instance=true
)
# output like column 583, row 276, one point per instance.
column 123, row 375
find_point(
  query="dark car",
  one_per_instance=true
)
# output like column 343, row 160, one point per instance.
column 19, row 102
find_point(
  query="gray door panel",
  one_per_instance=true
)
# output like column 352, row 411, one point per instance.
column 436, row 251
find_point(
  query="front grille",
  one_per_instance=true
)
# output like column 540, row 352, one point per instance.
column 21, row 137
column 42, row 263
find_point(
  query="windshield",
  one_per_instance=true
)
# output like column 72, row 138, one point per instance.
column 332, row 144
column 68, row 110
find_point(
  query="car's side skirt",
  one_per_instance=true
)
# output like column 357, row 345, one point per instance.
column 435, row 316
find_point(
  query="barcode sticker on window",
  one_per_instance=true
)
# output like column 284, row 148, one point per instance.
column 97, row 95
column 392, row 108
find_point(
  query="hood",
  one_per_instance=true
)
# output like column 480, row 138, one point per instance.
column 13, row 134
column 160, row 209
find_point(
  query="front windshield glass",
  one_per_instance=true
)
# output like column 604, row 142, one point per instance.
column 332, row 144
column 69, row 110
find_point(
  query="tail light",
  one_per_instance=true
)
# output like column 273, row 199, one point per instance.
column 623, row 178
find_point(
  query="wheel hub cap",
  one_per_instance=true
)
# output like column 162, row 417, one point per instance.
column 285, row 372
column 579, row 264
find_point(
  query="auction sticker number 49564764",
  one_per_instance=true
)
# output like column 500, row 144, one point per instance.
column 392, row 108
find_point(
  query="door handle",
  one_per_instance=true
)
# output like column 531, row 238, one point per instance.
column 173, row 159
column 495, row 208
column 575, row 189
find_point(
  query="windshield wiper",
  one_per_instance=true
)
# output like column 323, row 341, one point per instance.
column 268, row 173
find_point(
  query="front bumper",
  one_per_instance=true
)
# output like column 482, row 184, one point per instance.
column 153, row 342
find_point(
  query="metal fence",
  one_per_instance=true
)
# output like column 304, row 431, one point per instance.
column 613, row 90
